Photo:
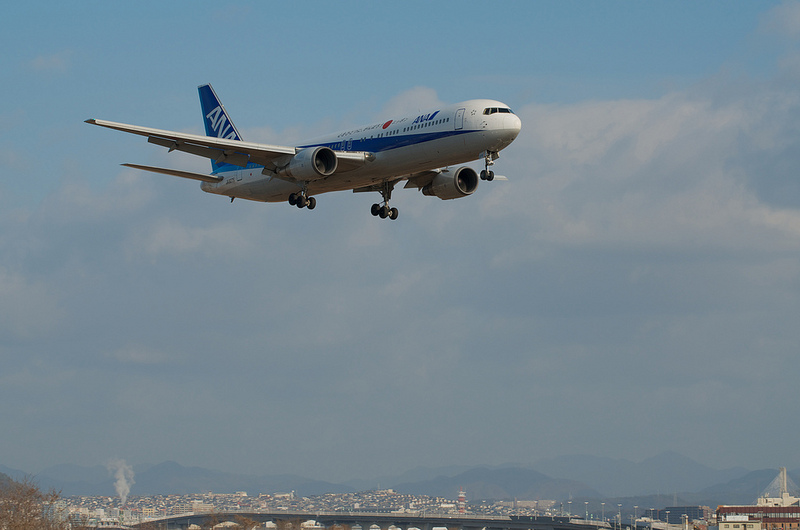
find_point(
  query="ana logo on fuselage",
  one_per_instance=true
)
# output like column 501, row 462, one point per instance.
column 220, row 124
column 424, row 117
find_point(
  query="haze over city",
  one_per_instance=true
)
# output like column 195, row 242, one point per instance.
column 634, row 287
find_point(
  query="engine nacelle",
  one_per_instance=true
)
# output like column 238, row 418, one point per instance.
column 453, row 185
column 311, row 163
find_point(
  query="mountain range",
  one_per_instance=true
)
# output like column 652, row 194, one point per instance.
column 658, row 481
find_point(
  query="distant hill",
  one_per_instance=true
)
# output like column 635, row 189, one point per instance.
column 506, row 483
column 656, row 482
column 172, row 478
column 665, row 473
column 742, row 490
column 70, row 479
column 14, row 474
column 418, row 474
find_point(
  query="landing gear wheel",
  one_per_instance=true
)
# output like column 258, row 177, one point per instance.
column 384, row 210
column 487, row 175
column 302, row 200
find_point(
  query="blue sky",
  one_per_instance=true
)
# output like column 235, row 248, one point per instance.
column 639, row 272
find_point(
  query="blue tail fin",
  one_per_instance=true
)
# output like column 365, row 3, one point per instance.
column 216, row 120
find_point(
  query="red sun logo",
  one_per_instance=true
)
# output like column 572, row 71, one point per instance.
column 385, row 125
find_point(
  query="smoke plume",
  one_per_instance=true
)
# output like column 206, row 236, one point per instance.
column 123, row 475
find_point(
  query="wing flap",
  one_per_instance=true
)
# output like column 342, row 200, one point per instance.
column 218, row 155
column 176, row 173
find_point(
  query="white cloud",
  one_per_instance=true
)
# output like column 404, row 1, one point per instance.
column 58, row 62
column 655, row 173
column 172, row 237
column 782, row 20
column 413, row 100
column 128, row 192
column 28, row 309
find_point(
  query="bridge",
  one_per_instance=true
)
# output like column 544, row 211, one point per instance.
column 284, row 520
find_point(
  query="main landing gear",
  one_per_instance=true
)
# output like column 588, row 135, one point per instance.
column 384, row 211
column 302, row 200
column 487, row 174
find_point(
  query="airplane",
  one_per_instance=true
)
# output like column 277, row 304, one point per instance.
column 419, row 149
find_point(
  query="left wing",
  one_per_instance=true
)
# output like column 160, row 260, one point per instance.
column 227, row 151
column 177, row 173
column 422, row 179
column 414, row 180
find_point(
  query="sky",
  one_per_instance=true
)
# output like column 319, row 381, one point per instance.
column 633, row 288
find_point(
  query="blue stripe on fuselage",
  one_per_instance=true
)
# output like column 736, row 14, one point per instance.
column 371, row 145
column 376, row 145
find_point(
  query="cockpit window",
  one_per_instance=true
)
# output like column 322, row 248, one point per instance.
column 494, row 110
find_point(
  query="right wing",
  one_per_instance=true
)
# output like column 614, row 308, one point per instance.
column 225, row 151
column 219, row 149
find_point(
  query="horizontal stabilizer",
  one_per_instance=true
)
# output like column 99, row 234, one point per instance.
column 177, row 173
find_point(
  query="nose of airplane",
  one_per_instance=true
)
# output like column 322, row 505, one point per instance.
column 512, row 125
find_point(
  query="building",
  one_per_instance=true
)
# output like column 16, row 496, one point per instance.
column 758, row 517
column 676, row 514
column 775, row 509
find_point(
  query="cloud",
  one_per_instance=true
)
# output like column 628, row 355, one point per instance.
column 782, row 20
column 662, row 173
column 413, row 100
column 28, row 308
column 169, row 236
column 59, row 62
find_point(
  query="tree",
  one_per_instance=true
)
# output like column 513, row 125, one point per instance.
column 23, row 506
column 246, row 523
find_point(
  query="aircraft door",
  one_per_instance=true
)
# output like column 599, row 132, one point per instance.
column 459, row 123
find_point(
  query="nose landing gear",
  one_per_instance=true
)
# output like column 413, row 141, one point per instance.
column 489, row 158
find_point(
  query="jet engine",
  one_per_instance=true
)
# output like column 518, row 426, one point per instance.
column 311, row 163
column 453, row 185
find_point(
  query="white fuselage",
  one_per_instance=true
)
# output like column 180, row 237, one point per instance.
column 397, row 147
